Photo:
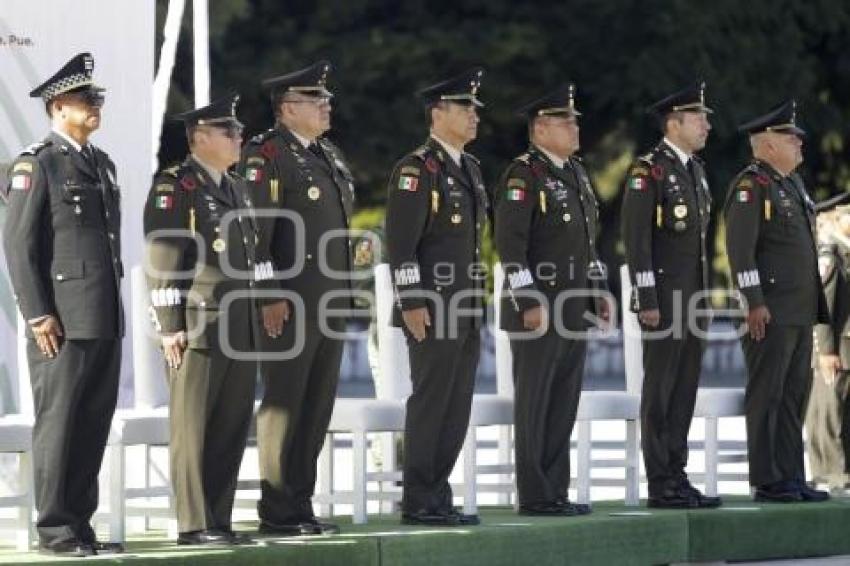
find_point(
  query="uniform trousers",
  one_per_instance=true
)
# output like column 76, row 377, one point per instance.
column 547, row 385
column 442, row 371
column 74, row 397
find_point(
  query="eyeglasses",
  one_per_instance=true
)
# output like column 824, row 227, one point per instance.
column 93, row 98
column 317, row 102
column 232, row 132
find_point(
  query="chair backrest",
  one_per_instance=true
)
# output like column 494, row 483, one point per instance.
column 23, row 392
column 149, row 385
column 632, row 347
column 502, row 344
column 393, row 361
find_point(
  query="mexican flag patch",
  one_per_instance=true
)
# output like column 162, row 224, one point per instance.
column 516, row 194
column 164, row 202
column 743, row 195
column 408, row 183
column 21, row 182
column 637, row 183
column 254, row 175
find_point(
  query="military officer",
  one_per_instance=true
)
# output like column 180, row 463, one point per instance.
column 293, row 169
column 201, row 267
column 546, row 227
column 666, row 210
column 828, row 414
column 63, row 249
column 772, row 256
column 436, row 208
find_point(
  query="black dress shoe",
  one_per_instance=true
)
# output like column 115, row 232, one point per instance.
column 107, row 547
column 72, row 548
column 209, row 537
column 573, row 509
column 703, row 501
column 323, row 527
column 237, row 538
column 810, row 494
column 550, row 509
column 673, row 500
column 463, row 518
column 293, row 529
column 778, row 492
column 431, row 518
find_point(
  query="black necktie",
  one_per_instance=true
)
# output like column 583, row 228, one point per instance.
column 316, row 150
column 693, row 172
column 227, row 188
column 88, row 155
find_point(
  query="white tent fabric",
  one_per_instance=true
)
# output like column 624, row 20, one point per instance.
column 120, row 36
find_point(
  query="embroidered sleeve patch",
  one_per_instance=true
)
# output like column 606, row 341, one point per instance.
column 21, row 182
column 516, row 194
column 639, row 171
column 164, row 202
column 254, row 175
column 744, row 195
column 410, row 171
column 637, row 183
column 164, row 188
column 745, row 183
column 408, row 183
column 516, row 183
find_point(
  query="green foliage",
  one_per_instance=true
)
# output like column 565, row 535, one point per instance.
column 623, row 55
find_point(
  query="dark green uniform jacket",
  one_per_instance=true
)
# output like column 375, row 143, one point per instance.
column 435, row 213
column 546, row 227
column 770, row 241
column 666, row 210
column 201, row 248
column 315, row 189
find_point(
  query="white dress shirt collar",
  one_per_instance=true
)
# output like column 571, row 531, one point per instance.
column 215, row 175
column 454, row 153
column 71, row 141
column 559, row 163
column 683, row 157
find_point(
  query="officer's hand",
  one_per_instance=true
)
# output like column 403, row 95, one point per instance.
column 173, row 346
column 829, row 366
column 416, row 321
column 48, row 334
column 603, row 309
column 274, row 317
column 757, row 321
column 650, row 317
column 534, row 318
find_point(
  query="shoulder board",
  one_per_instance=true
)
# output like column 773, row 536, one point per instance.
column 36, row 147
column 260, row 139
column 524, row 158
column 422, row 152
column 648, row 158
column 171, row 171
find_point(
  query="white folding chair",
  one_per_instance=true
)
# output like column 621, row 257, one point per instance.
column 711, row 403
column 593, row 406
column 361, row 418
column 16, row 438
column 145, row 425
column 491, row 410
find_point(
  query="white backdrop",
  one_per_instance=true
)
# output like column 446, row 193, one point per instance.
column 37, row 37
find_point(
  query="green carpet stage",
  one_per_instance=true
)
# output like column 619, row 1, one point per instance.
column 613, row 534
